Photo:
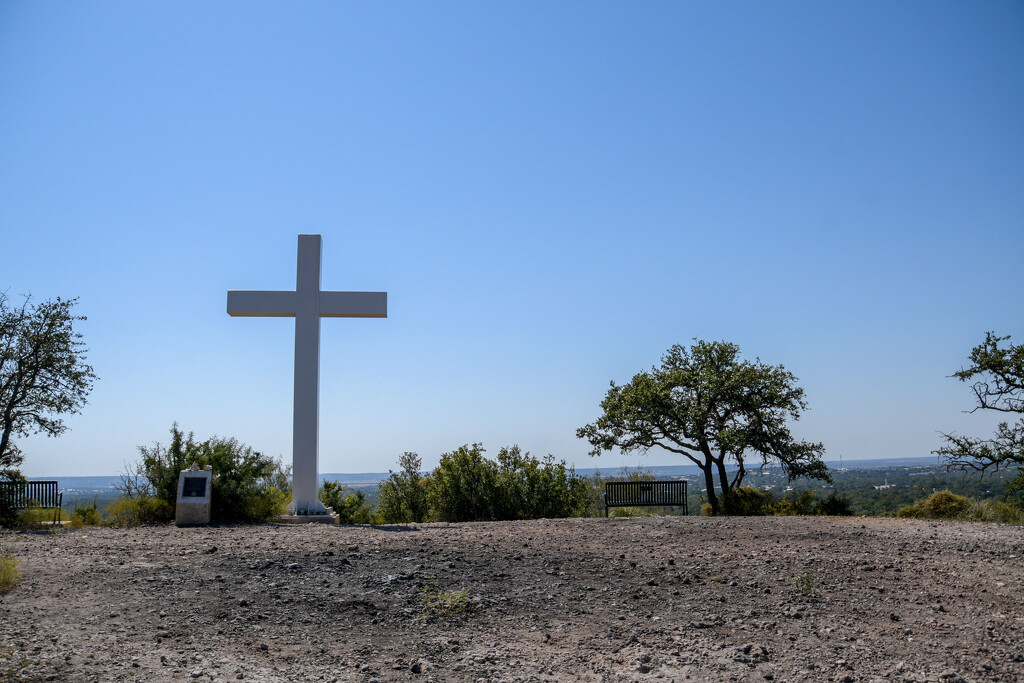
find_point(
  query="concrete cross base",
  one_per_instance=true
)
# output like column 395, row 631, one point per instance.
column 330, row 518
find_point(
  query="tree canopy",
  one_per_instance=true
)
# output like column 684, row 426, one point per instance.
column 997, row 373
column 710, row 406
column 42, row 372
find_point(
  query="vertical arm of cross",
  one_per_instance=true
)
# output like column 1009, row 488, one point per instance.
column 306, row 408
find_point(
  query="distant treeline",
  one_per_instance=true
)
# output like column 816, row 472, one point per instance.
column 875, row 491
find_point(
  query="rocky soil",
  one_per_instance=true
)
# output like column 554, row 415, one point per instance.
column 670, row 598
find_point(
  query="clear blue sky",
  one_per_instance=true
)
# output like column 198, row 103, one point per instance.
column 551, row 193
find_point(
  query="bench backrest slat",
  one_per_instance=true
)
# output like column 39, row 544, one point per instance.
column 645, row 492
column 21, row 494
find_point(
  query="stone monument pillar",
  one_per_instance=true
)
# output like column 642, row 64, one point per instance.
column 193, row 505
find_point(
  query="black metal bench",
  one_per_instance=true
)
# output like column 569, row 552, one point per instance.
column 644, row 494
column 26, row 494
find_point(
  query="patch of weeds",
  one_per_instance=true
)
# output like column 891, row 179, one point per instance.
column 439, row 605
column 805, row 582
column 86, row 515
column 9, row 576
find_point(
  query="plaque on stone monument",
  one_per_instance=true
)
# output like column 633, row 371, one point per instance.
column 193, row 504
column 194, row 487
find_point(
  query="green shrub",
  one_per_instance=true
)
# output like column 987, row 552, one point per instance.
column 834, row 505
column 139, row 510
column 441, row 605
column 802, row 502
column 86, row 515
column 939, row 505
column 748, row 501
column 352, row 507
column 466, row 486
column 997, row 511
column 247, row 485
column 528, row 488
column 9, row 576
column 462, row 486
column 402, row 497
column 35, row 516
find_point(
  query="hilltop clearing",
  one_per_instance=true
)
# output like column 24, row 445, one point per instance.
column 669, row 598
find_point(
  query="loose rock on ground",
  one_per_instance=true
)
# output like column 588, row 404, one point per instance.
column 629, row 599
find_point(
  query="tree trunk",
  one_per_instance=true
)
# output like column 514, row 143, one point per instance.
column 709, row 482
column 722, row 476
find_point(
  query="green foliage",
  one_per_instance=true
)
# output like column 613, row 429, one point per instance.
column 751, row 501
column 441, row 605
column 37, row 517
column 996, row 511
column 86, row 515
column 748, row 501
column 42, row 372
column 834, row 504
column 530, row 489
column 403, row 495
column 247, row 485
column 350, row 506
column 709, row 406
column 947, row 505
column 802, row 502
column 997, row 374
column 462, row 487
column 805, row 582
column 939, row 505
column 466, row 486
column 9, row 576
column 139, row 509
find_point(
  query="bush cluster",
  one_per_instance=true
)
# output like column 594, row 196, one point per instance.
column 948, row 505
column 247, row 485
column 466, row 486
column 351, row 507
column 747, row 501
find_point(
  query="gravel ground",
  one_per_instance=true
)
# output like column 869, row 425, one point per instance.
column 671, row 598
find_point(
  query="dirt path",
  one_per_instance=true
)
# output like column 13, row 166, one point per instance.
column 597, row 600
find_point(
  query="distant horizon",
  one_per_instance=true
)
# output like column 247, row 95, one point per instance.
column 832, row 464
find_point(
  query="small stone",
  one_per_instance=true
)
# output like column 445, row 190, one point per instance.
column 243, row 603
column 416, row 668
column 263, row 647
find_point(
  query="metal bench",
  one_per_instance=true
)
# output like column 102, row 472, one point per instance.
column 26, row 494
column 644, row 494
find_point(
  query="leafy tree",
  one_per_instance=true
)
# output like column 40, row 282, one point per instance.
column 998, row 376
column 402, row 497
column 247, row 485
column 708, row 405
column 42, row 373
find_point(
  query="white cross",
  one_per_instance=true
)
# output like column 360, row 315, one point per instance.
column 307, row 304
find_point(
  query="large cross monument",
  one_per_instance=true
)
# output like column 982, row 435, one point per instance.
column 307, row 304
